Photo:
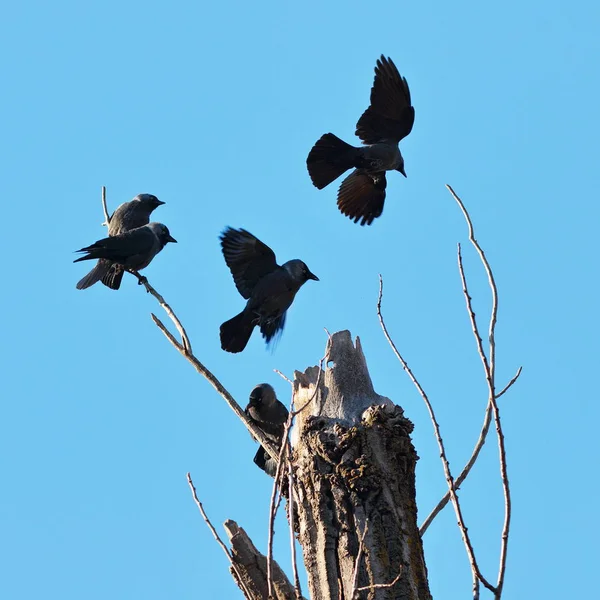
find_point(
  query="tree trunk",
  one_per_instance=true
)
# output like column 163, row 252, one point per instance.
column 354, row 469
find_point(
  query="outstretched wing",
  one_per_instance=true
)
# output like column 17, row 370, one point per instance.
column 248, row 259
column 361, row 196
column 391, row 114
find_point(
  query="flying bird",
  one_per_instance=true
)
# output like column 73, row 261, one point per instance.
column 269, row 288
column 388, row 119
column 270, row 415
column 133, row 250
column 129, row 215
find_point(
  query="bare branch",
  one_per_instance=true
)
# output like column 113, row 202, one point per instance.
column 490, row 370
column 216, row 535
column 357, row 562
column 105, row 208
column 184, row 338
column 291, row 511
column 283, row 376
column 509, row 384
column 254, row 430
column 380, row 586
column 467, row 468
column 440, row 442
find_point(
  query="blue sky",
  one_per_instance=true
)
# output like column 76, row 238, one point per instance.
column 213, row 108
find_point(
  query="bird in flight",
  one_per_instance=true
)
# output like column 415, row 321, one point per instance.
column 388, row 120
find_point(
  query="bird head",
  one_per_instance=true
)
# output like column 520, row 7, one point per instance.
column 299, row 271
column 149, row 200
column 162, row 233
column 262, row 394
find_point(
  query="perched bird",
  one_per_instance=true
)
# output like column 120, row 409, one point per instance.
column 269, row 288
column 388, row 119
column 270, row 415
column 126, row 217
column 133, row 250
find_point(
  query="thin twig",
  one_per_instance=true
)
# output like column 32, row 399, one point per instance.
column 280, row 459
column 509, row 384
column 380, row 586
column 283, row 376
column 490, row 369
column 291, row 510
column 273, row 508
column 187, row 346
column 357, row 561
column 216, row 535
column 440, row 442
column 467, row 468
column 105, row 208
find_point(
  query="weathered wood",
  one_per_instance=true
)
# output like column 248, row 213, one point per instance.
column 252, row 565
column 354, row 467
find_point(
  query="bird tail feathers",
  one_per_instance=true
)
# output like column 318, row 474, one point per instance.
column 113, row 277
column 95, row 275
column 329, row 158
column 236, row 332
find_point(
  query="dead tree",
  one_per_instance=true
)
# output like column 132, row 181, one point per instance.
column 348, row 473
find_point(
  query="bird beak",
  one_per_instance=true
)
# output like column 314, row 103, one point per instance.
column 401, row 169
column 171, row 239
column 159, row 202
column 312, row 276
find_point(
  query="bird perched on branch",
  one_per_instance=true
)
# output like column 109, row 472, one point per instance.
column 269, row 288
column 133, row 250
column 129, row 215
column 388, row 119
column 270, row 415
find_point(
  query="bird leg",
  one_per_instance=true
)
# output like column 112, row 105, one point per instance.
column 141, row 279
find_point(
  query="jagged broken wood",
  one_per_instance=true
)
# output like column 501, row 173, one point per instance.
column 354, row 465
column 251, row 566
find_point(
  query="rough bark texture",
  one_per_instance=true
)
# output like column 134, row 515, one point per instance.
column 354, row 466
column 252, row 566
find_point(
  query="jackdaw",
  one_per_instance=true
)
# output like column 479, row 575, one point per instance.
column 132, row 250
column 268, row 287
column 388, row 119
column 126, row 217
column 270, row 416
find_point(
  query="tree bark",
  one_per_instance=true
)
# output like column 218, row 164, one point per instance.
column 354, row 469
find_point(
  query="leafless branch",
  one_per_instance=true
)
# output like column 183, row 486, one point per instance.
column 291, row 511
column 254, row 430
column 380, row 586
column 361, row 545
column 216, row 535
column 272, row 506
column 490, row 371
column 440, row 442
column 283, row 376
column 509, row 384
column 467, row 468
column 187, row 346
column 105, row 208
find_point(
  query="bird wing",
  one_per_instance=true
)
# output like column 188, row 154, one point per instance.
column 248, row 259
column 121, row 247
column 391, row 114
column 361, row 196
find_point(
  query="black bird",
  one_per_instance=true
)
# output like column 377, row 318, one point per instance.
column 126, row 217
column 388, row 119
column 269, row 288
column 270, row 415
column 133, row 250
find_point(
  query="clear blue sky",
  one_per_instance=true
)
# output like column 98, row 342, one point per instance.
column 213, row 108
